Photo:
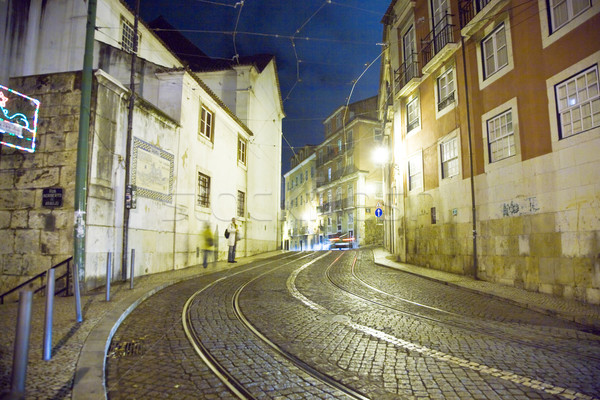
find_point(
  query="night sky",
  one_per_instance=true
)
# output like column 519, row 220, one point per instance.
column 334, row 43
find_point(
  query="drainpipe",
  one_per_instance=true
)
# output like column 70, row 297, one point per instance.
column 473, row 207
column 126, row 206
column 81, row 172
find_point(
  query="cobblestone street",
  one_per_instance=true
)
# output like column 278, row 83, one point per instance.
column 310, row 325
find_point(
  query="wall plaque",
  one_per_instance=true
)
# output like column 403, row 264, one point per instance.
column 52, row 197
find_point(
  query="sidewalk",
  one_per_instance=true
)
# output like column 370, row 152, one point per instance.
column 76, row 369
column 585, row 314
column 77, row 366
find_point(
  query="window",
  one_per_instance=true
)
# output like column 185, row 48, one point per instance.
column 409, row 51
column 329, row 224
column 338, row 198
column 350, row 225
column 242, row 150
column 578, row 103
column 350, row 195
column 377, row 135
column 327, row 128
column 301, row 177
column 415, row 172
column 439, row 10
column 203, row 190
column 349, row 139
column 445, row 86
column 306, row 175
column 412, row 112
column 501, row 138
column 495, row 51
column 338, row 120
column 127, row 36
column 339, row 143
column 563, row 11
column 339, row 223
column 449, row 158
column 312, row 172
column 241, row 203
column 329, row 199
column 206, row 123
column 329, row 174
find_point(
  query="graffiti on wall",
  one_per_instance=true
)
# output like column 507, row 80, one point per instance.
column 520, row 207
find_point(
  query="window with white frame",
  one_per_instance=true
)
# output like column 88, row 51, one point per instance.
column 415, row 172
column 495, row 51
column 446, row 89
column 564, row 11
column 127, row 36
column 242, row 150
column 329, row 200
column 241, row 203
column 206, row 123
column 449, row 158
column 413, row 120
column 203, row 190
column 329, row 225
column 501, row 137
column 349, row 139
column 578, row 103
column 339, row 222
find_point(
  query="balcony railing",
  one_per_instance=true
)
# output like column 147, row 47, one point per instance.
column 437, row 39
column 470, row 8
column 407, row 71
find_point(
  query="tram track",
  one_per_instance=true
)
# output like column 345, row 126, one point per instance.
column 470, row 326
column 235, row 385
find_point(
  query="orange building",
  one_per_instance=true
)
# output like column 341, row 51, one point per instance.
column 491, row 112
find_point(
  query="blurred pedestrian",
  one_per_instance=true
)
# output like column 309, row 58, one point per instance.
column 208, row 243
column 232, row 233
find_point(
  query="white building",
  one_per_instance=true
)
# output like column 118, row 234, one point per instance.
column 196, row 157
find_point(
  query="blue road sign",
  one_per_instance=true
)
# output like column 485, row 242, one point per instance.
column 378, row 212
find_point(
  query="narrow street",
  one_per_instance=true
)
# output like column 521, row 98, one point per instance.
column 335, row 325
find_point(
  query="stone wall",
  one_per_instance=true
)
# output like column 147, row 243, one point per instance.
column 35, row 238
column 538, row 225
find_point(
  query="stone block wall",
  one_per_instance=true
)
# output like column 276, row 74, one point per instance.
column 538, row 225
column 35, row 238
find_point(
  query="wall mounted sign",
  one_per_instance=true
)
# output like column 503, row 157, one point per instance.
column 52, row 197
column 18, row 119
column 152, row 171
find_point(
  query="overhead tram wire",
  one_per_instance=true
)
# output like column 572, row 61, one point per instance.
column 236, row 56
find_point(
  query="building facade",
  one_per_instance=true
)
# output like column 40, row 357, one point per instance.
column 491, row 113
column 194, row 161
column 301, row 230
column 349, row 180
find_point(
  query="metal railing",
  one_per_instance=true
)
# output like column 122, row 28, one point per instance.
column 437, row 39
column 407, row 71
column 41, row 280
column 469, row 8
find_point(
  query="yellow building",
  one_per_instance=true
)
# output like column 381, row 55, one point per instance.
column 491, row 112
column 301, row 225
column 349, row 180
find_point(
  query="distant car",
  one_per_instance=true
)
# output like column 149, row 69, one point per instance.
column 341, row 242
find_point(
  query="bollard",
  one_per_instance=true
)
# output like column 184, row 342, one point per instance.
column 49, row 314
column 132, row 268
column 21, row 354
column 76, row 292
column 108, row 274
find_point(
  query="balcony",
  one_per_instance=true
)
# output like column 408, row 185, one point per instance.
column 438, row 45
column 474, row 14
column 408, row 76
